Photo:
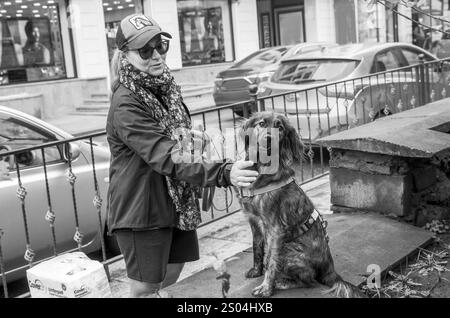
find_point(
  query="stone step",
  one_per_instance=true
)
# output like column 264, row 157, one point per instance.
column 97, row 100
column 89, row 113
column 357, row 240
column 100, row 95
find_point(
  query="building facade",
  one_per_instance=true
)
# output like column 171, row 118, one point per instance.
column 57, row 52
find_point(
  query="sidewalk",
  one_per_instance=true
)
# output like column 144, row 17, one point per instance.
column 356, row 241
column 82, row 123
column 79, row 124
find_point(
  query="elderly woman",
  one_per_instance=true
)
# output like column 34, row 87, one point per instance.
column 153, row 210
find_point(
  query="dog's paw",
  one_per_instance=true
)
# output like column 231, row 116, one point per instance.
column 263, row 290
column 254, row 272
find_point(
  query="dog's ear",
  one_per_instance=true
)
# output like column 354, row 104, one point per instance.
column 242, row 142
column 293, row 150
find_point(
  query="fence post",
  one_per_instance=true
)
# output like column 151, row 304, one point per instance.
column 253, row 91
column 421, row 81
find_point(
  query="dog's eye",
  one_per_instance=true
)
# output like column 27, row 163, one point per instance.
column 262, row 124
column 277, row 124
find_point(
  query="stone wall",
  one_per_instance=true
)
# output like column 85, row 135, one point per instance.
column 414, row 188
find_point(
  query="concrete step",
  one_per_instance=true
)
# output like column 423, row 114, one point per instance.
column 89, row 113
column 97, row 100
column 100, row 95
column 94, row 107
column 357, row 240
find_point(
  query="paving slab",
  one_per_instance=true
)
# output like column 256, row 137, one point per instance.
column 356, row 241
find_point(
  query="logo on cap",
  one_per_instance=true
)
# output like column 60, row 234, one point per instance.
column 140, row 21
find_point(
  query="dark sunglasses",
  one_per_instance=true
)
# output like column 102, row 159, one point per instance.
column 161, row 47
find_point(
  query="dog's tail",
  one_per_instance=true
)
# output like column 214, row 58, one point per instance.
column 340, row 288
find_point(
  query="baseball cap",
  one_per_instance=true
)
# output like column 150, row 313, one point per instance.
column 136, row 30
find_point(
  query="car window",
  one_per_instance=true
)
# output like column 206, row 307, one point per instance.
column 303, row 50
column 296, row 72
column 17, row 134
column 384, row 61
column 262, row 58
column 412, row 56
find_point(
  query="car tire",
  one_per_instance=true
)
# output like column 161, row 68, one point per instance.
column 381, row 114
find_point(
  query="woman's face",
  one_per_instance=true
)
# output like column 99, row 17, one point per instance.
column 36, row 34
column 154, row 65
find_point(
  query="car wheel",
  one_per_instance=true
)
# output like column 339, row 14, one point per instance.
column 382, row 114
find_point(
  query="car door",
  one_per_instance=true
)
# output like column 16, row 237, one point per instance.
column 435, row 77
column 18, row 133
column 382, row 93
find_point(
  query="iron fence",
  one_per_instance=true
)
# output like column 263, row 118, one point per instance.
column 59, row 189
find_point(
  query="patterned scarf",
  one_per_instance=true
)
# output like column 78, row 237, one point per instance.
column 170, row 117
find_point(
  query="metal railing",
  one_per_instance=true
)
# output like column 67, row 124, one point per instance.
column 316, row 112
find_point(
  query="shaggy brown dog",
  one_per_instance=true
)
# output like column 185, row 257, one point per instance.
column 288, row 256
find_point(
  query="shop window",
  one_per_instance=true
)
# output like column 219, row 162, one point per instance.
column 31, row 47
column 205, row 31
column 114, row 11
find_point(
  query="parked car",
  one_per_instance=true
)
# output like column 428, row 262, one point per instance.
column 298, row 85
column 232, row 85
column 17, row 131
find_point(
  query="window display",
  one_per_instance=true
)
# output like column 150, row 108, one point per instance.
column 31, row 45
column 205, row 31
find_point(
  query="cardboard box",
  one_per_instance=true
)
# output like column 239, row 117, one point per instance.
column 71, row 275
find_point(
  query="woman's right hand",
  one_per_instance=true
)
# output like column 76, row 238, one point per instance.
column 240, row 176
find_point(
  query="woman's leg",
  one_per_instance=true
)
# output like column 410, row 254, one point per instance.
column 172, row 274
column 146, row 255
column 143, row 290
column 148, row 290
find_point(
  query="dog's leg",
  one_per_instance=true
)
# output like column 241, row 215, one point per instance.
column 287, row 283
column 258, row 251
column 273, row 246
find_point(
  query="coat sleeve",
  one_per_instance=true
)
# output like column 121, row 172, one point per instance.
column 142, row 134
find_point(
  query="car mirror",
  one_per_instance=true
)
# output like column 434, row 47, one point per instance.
column 71, row 151
column 26, row 158
column 6, row 163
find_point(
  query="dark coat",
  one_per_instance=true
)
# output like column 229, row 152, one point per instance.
column 138, row 196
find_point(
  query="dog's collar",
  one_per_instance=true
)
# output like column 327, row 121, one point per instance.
column 245, row 192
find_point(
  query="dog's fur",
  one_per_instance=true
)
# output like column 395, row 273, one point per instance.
column 287, row 259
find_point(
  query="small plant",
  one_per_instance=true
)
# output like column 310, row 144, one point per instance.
column 438, row 226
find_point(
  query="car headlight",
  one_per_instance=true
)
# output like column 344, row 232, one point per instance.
column 261, row 77
column 262, row 89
